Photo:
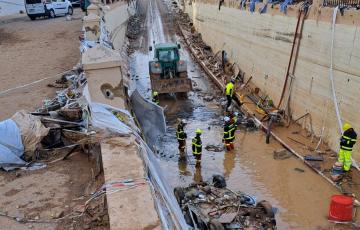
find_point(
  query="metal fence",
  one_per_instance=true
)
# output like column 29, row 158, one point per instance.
column 346, row 3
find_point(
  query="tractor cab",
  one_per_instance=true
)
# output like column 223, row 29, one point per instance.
column 168, row 73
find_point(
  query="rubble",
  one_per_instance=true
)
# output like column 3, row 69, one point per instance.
column 282, row 154
column 213, row 206
column 215, row 148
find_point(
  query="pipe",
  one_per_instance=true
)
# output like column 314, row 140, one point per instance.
column 331, row 77
column 290, row 60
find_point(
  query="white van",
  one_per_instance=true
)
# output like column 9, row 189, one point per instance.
column 49, row 8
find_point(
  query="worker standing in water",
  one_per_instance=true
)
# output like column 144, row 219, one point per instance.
column 155, row 98
column 234, row 119
column 229, row 134
column 196, row 145
column 229, row 91
column 347, row 141
column 181, row 136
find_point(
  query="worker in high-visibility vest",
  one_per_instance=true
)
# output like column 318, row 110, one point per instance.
column 181, row 136
column 347, row 141
column 229, row 91
column 196, row 145
column 229, row 134
column 155, row 98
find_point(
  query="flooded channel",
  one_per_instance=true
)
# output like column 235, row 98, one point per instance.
column 300, row 196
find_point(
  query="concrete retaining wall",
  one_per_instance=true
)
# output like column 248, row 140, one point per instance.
column 116, row 22
column 133, row 208
column 261, row 44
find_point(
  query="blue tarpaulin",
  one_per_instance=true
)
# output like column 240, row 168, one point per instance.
column 283, row 5
column 252, row 5
column 11, row 147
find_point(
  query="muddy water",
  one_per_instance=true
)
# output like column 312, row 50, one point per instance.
column 302, row 198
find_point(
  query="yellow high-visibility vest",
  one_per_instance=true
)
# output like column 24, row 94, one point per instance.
column 229, row 89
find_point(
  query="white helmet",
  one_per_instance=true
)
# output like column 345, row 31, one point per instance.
column 226, row 119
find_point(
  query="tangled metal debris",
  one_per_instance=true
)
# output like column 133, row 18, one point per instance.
column 213, row 206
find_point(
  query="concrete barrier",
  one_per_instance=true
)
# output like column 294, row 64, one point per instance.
column 261, row 44
column 128, row 208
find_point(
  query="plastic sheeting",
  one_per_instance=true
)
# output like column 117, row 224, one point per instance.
column 11, row 147
column 151, row 118
column 32, row 131
column 166, row 202
column 101, row 117
column 283, row 5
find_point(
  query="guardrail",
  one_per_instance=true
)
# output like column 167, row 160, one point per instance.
column 346, row 3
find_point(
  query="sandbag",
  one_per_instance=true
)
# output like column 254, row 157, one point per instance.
column 31, row 129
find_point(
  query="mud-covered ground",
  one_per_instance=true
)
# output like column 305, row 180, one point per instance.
column 33, row 50
column 301, row 196
column 52, row 197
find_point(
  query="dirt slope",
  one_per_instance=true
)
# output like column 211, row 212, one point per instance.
column 33, row 50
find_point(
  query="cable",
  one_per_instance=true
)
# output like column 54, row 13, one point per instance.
column 31, row 83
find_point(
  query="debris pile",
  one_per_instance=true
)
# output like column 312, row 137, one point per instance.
column 58, row 126
column 133, row 27
column 133, row 31
column 213, row 206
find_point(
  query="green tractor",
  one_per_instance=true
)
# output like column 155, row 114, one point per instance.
column 168, row 74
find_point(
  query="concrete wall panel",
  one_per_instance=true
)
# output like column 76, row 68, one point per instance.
column 261, row 44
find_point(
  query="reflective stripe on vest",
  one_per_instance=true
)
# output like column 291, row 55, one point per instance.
column 349, row 142
column 178, row 133
column 346, row 148
column 230, row 134
column 348, row 139
column 195, row 146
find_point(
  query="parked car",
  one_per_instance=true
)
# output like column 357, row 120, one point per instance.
column 48, row 8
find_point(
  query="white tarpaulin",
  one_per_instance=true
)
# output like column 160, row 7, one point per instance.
column 101, row 117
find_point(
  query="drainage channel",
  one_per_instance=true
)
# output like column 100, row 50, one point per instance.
column 251, row 167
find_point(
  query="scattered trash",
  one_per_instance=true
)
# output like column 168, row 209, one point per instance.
column 281, row 154
column 209, row 98
column 219, row 181
column 27, row 137
column 337, row 172
column 215, row 148
column 205, row 204
column 299, row 170
column 32, row 131
column 313, row 158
